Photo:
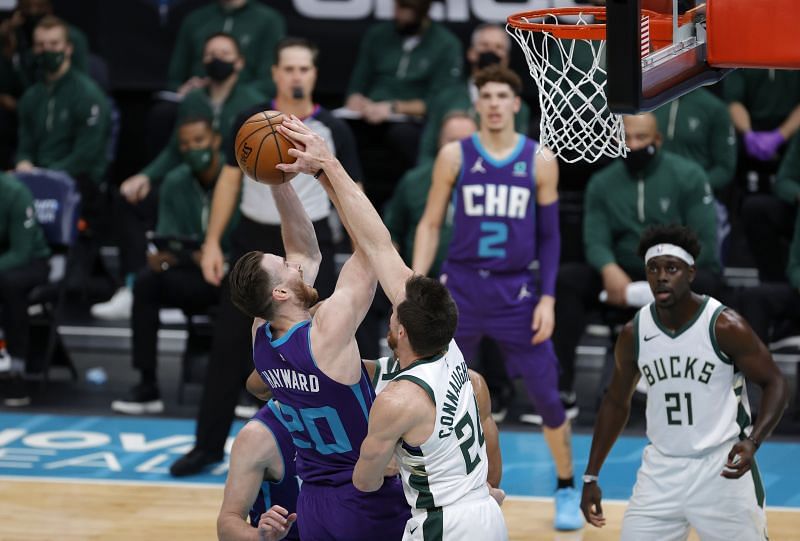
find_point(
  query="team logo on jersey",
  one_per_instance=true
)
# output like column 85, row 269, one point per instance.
column 524, row 293
column 282, row 357
column 665, row 202
column 694, row 123
column 478, row 167
column 520, row 169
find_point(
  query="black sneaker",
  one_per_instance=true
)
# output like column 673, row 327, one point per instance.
column 570, row 401
column 193, row 462
column 13, row 391
column 143, row 398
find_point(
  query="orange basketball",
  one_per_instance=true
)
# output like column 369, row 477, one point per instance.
column 259, row 148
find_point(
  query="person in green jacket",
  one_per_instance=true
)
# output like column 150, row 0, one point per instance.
column 172, row 277
column 256, row 27
column 23, row 265
column 220, row 102
column 770, row 306
column 490, row 44
column 650, row 186
column 64, row 119
column 401, row 65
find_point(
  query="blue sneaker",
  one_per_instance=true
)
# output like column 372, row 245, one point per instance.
column 568, row 510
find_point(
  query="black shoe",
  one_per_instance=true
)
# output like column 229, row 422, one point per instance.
column 143, row 398
column 193, row 462
column 570, row 401
column 13, row 391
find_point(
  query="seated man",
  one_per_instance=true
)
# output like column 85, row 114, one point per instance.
column 23, row 266
column 64, row 119
column 174, row 278
column 648, row 187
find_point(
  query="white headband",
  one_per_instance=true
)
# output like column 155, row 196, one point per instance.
column 668, row 249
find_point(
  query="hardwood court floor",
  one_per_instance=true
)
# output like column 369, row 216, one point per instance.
column 78, row 511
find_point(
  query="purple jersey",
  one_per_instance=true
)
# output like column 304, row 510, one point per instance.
column 327, row 420
column 285, row 491
column 494, row 225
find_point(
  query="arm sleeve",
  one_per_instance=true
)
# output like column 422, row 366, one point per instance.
column 25, row 134
column 22, row 233
column 723, row 150
column 700, row 216
column 793, row 270
column 787, row 185
column 549, row 243
column 596, row 232
column 362, row 74
column 94, row 118
column 181, row 61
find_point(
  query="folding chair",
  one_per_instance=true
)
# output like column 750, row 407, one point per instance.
column 57, row 203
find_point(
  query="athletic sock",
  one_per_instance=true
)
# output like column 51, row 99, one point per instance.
column 569, row 482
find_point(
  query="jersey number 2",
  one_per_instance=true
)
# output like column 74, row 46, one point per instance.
column 495, row 235
column 466, row 445
column 304, row 423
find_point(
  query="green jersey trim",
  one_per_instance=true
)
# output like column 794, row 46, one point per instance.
column 686, row 326
column 433, row 527
column 713, row 334
column 422, row 361
column 636, row 339
column 759, row 485
column 418, row 381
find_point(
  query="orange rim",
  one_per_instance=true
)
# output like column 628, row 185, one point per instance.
column 594, row 32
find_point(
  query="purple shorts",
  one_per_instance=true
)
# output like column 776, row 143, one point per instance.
column 327, row 513
column 500, row 306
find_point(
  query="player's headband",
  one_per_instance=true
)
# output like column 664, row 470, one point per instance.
column 668, row 249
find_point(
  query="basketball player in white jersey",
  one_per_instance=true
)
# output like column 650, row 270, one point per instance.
column 694, row 353
column 427, row 416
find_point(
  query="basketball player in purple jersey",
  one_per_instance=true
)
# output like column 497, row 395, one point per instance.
column 262, row 483
column 506, row 217
column 314, row 369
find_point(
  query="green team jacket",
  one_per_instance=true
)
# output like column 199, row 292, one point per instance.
column 457, row 98
column 698, row 127
column 184, row 206
column 405, row 208
column 384, row 71
column 619, row 207
column 65, row 126
column 257, row 28
column 197, row 104
column 787, row 183
column 21, row 238
column 768, row 95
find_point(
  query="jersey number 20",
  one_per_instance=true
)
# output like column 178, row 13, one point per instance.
column 303, row 426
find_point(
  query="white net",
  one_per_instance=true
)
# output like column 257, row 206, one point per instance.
column 570, row 74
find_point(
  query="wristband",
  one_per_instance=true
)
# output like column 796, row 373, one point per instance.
column 318, row 174
column 589, row 479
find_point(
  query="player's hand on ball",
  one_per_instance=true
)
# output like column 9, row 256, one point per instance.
column 590, row 505
column 740, row 459
column 311, row 151
column 275, row 523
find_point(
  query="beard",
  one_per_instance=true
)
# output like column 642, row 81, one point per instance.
column 391, row 340
column 306, row 294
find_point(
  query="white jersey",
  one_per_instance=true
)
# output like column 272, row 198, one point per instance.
column 384, row 372
column 451, row 465
column 696, row 398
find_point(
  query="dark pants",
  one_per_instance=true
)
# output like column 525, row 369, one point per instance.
column 769, row 225
column 768, row 304
column 15, row 285
column 231, row 359
column 181, row 287
column 132, row 223
column 577, row 290
column 8, row 138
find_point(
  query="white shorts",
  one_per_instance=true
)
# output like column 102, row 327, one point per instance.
column 673, row 493
column 478, row 519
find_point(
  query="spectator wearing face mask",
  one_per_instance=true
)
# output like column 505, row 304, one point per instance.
column 64, row 119
column 174, row 278
column 490, row 44
column 650, row 186
column 220, row 102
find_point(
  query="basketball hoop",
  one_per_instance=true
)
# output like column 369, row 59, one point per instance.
column 564, row 49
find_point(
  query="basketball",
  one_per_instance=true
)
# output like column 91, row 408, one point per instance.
column 259, row 148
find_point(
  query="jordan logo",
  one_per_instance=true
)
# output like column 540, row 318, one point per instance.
column 523, row 292
column 478, row 167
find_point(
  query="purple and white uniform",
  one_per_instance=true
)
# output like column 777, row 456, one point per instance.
column 498, row 232
column 327, row 421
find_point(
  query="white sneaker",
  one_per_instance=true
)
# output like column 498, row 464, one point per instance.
column 117, row 307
